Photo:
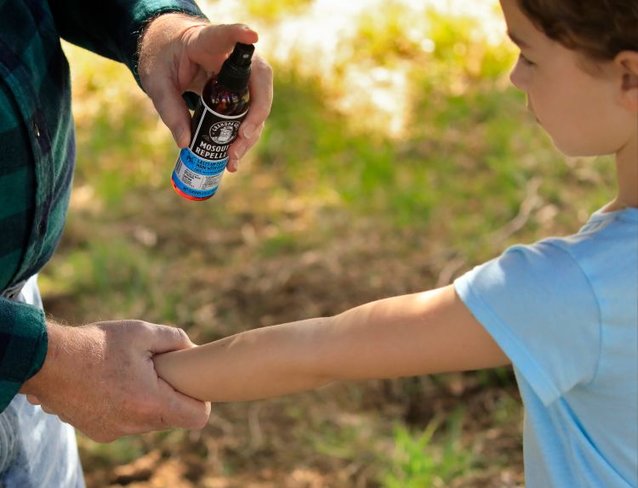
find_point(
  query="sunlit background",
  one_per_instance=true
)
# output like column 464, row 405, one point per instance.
column 345, row 44
column 396, row 157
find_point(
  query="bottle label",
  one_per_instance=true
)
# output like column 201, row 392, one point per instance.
column 196, row 177
column 199, row 168
column 214, row 133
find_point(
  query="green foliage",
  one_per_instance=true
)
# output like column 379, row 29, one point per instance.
column 280, row 243
column 120, row 451
column 451, row 35
column 387, row 33
column 270, row 11
column 419, row 461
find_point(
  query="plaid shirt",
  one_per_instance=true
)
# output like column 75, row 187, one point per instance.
column 37, row 148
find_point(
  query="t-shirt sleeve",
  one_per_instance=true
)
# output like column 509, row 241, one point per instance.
column 538, row 305
column 23, row 346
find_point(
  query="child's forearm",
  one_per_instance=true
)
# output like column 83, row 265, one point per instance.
column 258, row 363
column 288, row 358
column 401, row 336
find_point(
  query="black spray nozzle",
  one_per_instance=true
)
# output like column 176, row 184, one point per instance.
column 235, row 71
column 241, row 55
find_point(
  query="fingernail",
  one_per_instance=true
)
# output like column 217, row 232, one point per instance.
column 238, row 151
column 248, row 130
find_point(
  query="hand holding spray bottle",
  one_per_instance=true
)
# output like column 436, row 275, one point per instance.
column 221, row 108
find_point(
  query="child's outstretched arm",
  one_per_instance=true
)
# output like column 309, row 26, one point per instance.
column 422, row 333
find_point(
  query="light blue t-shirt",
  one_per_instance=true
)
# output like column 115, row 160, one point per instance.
column 565, row 311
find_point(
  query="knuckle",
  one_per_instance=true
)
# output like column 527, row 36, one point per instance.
column 136, row 328
column 259, row 113
column 177, row 335
column 257, row 133
column 119, row 328
column 136, row 323
column 262, row 66
column 181, row 333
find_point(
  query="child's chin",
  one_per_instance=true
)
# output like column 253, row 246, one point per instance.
column 575, row 150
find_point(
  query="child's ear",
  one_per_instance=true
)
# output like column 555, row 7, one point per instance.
column 627, row 61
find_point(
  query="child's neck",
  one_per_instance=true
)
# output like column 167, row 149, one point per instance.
column 627, row 176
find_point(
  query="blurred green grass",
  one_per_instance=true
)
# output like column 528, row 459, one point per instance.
column 325, row 213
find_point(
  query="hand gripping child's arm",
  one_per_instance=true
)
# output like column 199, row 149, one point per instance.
column 422, row 333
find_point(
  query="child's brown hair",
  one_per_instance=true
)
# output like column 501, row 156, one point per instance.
column 600, row 29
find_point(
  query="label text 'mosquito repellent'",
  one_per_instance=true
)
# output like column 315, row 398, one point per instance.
column 220, row 110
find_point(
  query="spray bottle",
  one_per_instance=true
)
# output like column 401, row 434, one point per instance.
column 215, row 123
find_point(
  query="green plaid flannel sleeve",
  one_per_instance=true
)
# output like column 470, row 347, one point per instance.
column 111, row 28
column 23, row 346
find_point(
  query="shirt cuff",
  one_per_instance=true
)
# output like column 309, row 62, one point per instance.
column 23, row 346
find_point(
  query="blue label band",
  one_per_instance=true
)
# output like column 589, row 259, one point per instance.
column 196, row 177
column 202, row 166
column 187, row 190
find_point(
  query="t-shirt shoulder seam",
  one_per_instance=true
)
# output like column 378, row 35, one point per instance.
column 548, row 388
column 565, row 249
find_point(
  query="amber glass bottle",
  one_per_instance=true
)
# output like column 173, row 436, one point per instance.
column 219, row 112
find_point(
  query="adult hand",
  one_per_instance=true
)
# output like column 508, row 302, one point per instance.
column 100, row 378
column 179, row 53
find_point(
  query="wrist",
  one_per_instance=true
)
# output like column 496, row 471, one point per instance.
column 39, row 381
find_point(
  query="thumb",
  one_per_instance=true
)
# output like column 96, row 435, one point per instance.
column 33, row 400
column 212, row 43
column 166, row 338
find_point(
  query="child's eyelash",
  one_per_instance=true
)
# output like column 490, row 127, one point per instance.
column 525, row 60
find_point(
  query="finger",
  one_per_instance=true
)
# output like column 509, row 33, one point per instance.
column 33, row 400
column 182, row 411
column 166, row 338
column 64, row 419
column 197, row 83
column 211, row 44
column 261, row 95
column 240, row 147
column 171, row 107
column 46, row 409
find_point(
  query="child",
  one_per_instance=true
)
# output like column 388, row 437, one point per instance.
column 563, row 311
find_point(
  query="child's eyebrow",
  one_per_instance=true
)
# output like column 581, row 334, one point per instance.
column 517, row 40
